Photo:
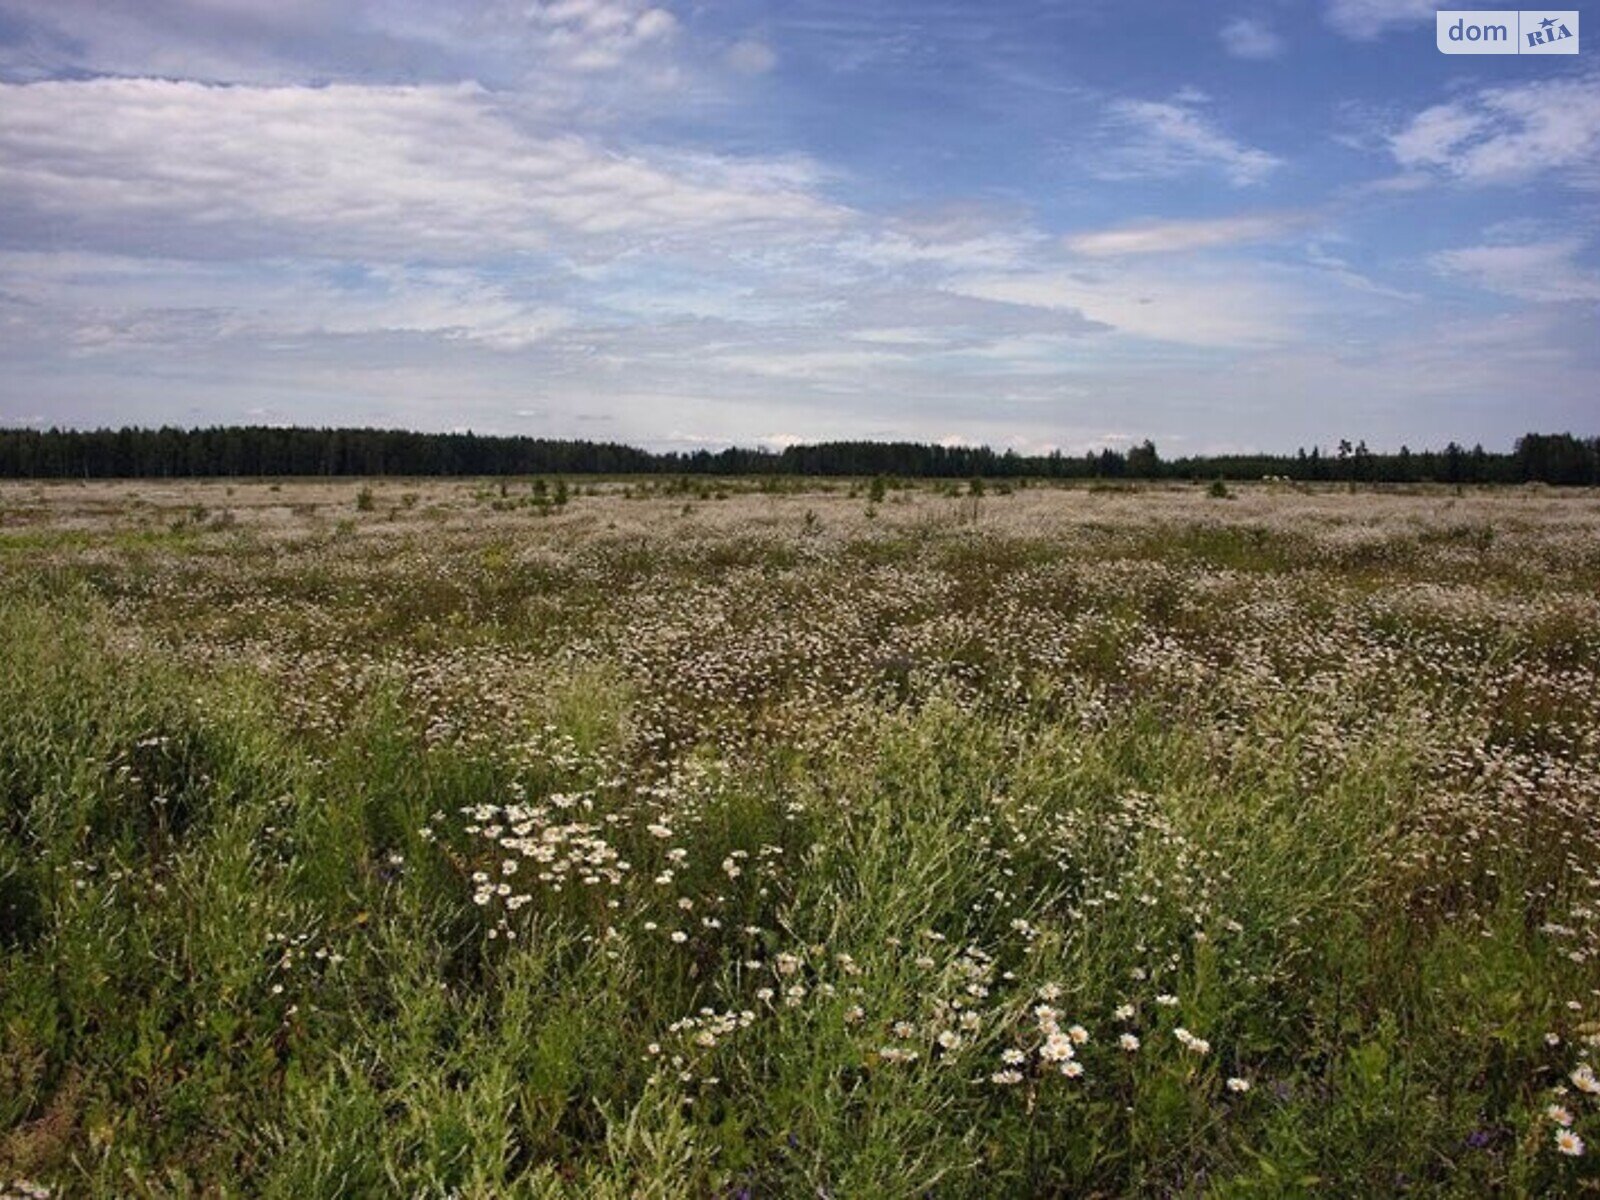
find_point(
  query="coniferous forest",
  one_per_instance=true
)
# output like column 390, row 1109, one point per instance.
column 258, row 450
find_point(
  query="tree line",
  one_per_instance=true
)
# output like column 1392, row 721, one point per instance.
column 260, row 450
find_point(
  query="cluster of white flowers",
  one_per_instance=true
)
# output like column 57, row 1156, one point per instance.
column 1057, row 1048
column 1565, row 1139
column 698, row 1037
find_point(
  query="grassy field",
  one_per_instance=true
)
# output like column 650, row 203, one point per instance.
column 451, row 838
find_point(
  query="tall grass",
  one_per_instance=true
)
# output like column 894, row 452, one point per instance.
column 241, row 956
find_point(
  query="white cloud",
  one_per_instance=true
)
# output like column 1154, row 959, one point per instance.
column 1339, row 269
column 890, row 248
column 751, row 56
column 353, row 172
column 1454, row 373
column 100, row 302
column 1536, row 271
column 1162, row 139
column 1170, row 237
column 1366, row 19
column 1246, row 37
column 902, row 335
column 181, row 38
column 1433, row 135
column 898, row 312
column 823, row 364
column 1510, row 134
column 597, row 35
column 1201, row 304
column 452, row 305
column 538, row 44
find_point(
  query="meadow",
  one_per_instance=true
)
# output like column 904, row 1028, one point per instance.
column 729, row 839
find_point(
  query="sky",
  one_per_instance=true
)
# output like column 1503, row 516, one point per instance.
column 1222, row 226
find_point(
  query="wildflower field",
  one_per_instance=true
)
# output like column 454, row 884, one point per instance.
column 725, row 839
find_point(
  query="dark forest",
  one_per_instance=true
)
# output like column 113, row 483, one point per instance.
column 253, row 451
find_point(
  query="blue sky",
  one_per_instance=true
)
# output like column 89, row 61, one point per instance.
column 1221, row 226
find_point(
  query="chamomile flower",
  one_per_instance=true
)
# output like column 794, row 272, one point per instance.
column 1057, row 1048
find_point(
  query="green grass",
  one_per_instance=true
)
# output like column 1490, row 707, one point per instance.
column 240, row 951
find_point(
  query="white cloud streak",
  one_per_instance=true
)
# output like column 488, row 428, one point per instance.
column 300, row 41
column 1512, row 134
column 1149, row 139
column 100, row 302
column 1542, row 272
column 353, row 171
column 1201, row 304
column 1367, row 19
column 1181, row 236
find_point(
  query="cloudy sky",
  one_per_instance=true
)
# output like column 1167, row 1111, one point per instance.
column 1027, row 223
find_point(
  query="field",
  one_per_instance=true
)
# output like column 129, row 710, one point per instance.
column 712, row 839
